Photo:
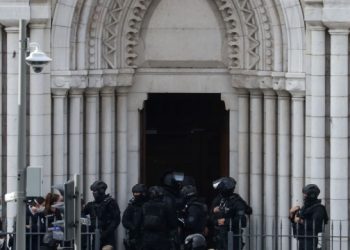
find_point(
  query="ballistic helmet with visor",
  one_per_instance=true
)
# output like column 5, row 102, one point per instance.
column 195, row 242
column 172, row 179
column 188, row 191
column 225, row 184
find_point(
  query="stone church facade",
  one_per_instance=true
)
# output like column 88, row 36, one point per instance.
column 279, row 67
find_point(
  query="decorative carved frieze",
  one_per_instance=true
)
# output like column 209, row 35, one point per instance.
column 233, row 31
column 265, row 27
column 134, row 23
column 251, row 27
column 94, row 34
column 110, row 34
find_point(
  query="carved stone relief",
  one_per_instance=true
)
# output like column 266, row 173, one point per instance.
column 93, row 36
column 110, row 34
column 234, row 34
column 134, row 23
column 251, row 28
column 244, row 47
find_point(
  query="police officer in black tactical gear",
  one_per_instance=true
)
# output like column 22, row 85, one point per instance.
column 194, row 213
column 172, row 182
column 106, row 210
column 309, row 220
column 229, row 214
column 195, row 242
column 132, row 217
column 157, row 221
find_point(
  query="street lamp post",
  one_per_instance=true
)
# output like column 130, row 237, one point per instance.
column 21, row 147
column 40, row 60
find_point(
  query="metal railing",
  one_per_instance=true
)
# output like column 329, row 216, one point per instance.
column 41, row 235
column 276, row 235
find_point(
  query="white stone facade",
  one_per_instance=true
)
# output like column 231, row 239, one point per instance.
column 281, row 67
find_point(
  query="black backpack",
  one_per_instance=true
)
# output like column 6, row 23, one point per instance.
column 154, row 216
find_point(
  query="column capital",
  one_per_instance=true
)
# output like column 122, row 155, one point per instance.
column 255, row 93
column 59, row 93
column 107, row 91
column 122, row 90
column 269, row 94
column 242, row 92
column 297, row 96
column 12, row 29
column 38, row 25
column 339, row 32
column 91, row 92
column 76, row 92
column 283, row 94
column 316, row 27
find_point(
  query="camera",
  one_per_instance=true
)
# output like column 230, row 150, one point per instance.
column 37, row 60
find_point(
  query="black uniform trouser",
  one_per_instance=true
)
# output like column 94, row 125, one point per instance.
column 222, row 240
column 308, row 243
column 155, row 241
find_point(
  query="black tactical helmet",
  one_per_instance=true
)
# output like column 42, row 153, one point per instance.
column 172, row 179
column 312, row 191
column 225, row 184
column 155, row 192
column 195, row 241
column 98, row 185
column 139, row 188
column 188, row 191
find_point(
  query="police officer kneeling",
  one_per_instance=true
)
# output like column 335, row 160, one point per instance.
column 309, row 220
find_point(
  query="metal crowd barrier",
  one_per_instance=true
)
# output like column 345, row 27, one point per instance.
column 40, row 236
column 275, row 235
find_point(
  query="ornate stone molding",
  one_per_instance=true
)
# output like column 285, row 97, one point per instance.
column 266, row 30
column 110, row 34
column 233, row 31
column 93, row 35
column 238, row 43
column 265, row 80
column 251, row 28
column 69, row 79
column 134, row 23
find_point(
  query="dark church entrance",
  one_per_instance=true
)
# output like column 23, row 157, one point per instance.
column 188, row 133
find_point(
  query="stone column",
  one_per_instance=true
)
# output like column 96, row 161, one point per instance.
column 270, row 162
column 122, row 147
column 91, row 164
column 11, row 119
column 256, row 166
column 2, row 172
column 75, row 133
column 315, row 112
column 231, row 106
column 243, row 141
column 122, row 154
column 59, row 136
column 298, row 125
column 40, row 110
column 107, row 138
column 135, row 104
column 283, row 166
column 339, row 194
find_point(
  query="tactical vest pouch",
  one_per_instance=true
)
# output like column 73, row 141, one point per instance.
column 153, row 218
